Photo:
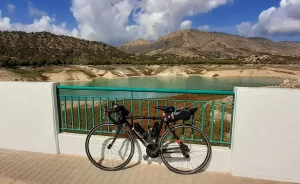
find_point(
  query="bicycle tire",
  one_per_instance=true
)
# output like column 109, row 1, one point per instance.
column 103, row 167
column 208, row 156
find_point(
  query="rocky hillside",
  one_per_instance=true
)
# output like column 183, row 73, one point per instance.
column 212, row 44
column 288, row 84
column 20, row 48
column 43, row 48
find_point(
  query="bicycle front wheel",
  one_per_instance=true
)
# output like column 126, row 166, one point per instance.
column 188, row 155
column 104, row 156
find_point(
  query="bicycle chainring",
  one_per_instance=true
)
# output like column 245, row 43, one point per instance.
column 149, row 151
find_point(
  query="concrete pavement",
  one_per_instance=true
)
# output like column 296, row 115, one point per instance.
column 19, row 167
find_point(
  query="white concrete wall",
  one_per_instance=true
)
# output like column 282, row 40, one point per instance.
column 266, row 134
column 28, row 119
column 74, row 144
column 266, row 130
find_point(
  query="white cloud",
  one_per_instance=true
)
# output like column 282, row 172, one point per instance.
column 245, row 28
column 204, row 28
column 186, row 24
column 35, row 12
column 4, row 23
column 45, row 23
column 108, row 20
column 119, row 21
column 281, row 21
column 11, row 8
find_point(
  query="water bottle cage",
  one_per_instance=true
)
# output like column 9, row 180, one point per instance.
column 155, row 130
column 137, row 127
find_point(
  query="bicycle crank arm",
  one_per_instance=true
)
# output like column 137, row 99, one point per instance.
column 171, row 148
column 172, row 152
column 115, row 137
column 179, row 151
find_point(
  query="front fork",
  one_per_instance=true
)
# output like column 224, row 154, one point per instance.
column 115, row 137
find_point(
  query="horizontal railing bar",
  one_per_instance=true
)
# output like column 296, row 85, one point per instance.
column 195, row 101
column 157, row 90
column 151, row 99
column 219, row 142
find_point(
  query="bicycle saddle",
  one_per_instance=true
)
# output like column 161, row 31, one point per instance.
column 184, row 113
column 166, row 109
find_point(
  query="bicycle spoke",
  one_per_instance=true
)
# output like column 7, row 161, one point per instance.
column 105, row 157
column 183, row 157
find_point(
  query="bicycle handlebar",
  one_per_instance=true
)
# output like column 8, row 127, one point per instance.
column 116, row 108
column 109, row 112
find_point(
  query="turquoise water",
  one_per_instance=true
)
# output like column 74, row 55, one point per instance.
column 192, row 82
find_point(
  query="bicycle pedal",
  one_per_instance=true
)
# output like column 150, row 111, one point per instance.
column 145, row 157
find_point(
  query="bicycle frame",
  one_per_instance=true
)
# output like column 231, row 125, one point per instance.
column 162, row 145
column 154, row 149
column 130, row 125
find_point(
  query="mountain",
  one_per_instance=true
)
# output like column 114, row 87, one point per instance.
column 20, row 48
column 43, row 48
column 198, row 43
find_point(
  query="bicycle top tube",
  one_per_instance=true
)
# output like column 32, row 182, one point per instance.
column 131, row 117
column 124, row 114
column 143, row 117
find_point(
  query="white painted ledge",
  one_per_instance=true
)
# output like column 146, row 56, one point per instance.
column 74, row 144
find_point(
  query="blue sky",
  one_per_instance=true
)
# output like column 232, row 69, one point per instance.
column 223, row 18
column 59, row 8
column 234, row 13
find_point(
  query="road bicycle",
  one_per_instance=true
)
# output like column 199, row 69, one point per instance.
column 179, row 146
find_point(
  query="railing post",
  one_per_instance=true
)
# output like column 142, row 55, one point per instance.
column 131, row 103
column 59, row 110
column 231, row 122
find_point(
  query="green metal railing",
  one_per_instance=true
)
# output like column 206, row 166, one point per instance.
column 81, row 108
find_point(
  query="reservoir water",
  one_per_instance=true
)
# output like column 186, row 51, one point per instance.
column 192, row 82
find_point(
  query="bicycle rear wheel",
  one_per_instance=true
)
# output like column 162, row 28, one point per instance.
column 195, row 143
column 98, row 151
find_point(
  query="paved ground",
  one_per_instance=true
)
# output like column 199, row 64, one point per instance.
column 17, row 167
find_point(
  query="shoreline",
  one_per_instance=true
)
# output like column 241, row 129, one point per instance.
column 191, row 75
column 85, row 73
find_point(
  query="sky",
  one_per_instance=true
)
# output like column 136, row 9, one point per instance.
column 119, row 21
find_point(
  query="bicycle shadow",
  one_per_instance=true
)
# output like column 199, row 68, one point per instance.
column 123, row 150
column 139, row 153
